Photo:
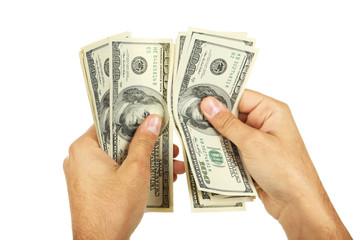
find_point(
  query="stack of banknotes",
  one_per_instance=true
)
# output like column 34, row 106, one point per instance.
column 128, row 79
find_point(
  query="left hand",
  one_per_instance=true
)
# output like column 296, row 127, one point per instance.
column 179, row 167
column 107, row 201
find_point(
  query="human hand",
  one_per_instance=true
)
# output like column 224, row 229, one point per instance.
column 276, row 157
column 107, row 201
column 178, row 166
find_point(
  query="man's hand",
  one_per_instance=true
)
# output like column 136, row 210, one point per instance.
column 277, row 159
column 107, row 201
column 178, row 166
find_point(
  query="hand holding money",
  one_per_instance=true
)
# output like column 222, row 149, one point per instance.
column 198, row 89
column 102, row 191
column 211, row 64
column 128, row 79
column 277, row 159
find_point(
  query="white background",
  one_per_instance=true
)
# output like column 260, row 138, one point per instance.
column 309, row 58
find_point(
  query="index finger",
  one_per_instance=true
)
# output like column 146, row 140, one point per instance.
column 250, row 100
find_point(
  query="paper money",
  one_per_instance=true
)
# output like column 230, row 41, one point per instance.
column 201, row 202
column 216, row 67
column 95, row 64
column 180, row 41
column 140, row 75
column 128, row 79
column 230, row 36
column 179, row 44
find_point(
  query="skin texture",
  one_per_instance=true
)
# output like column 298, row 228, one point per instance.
column 107, row 201
column 277, row 159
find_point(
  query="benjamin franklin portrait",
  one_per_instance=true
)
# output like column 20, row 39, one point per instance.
column 189, row 106
column 133, row 105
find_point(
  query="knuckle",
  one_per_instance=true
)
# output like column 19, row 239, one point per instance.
column 283, row 108
column 73, row 147
column 282, row 105
column 275, row 103
column 66, row 164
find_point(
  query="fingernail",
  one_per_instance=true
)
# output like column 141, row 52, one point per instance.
column 212, row 107
column 154, row 125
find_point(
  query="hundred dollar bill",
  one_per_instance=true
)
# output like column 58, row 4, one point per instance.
column 140, row 75
column 212, row 66
column 180, row 40
column 200, row 201
column 208, row 199
column 183, row 40
column 211, row 202
column 95, row 65
column 232, row 199
column 236, row 36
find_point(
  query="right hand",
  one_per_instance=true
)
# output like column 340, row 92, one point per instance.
column 276, row 157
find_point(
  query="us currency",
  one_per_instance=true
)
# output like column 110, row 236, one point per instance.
column 239, row 37
column 179, row 44
column 230, row 199
column 180, row 41
column 209, row 199
column 201, row 202
column 95, row 65
column 212, row 66
column 183, row 40
column 140, row 75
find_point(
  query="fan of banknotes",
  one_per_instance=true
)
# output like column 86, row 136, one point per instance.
column 128, row 79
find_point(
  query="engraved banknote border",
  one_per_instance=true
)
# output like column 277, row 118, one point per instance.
column 167, row 201
column 182, row 88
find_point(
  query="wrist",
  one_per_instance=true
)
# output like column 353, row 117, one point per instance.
column 98, row 226
column 312, row 217
column 81, row 232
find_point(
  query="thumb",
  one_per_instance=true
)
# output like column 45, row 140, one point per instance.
column 142, row 145
column 226, row 123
